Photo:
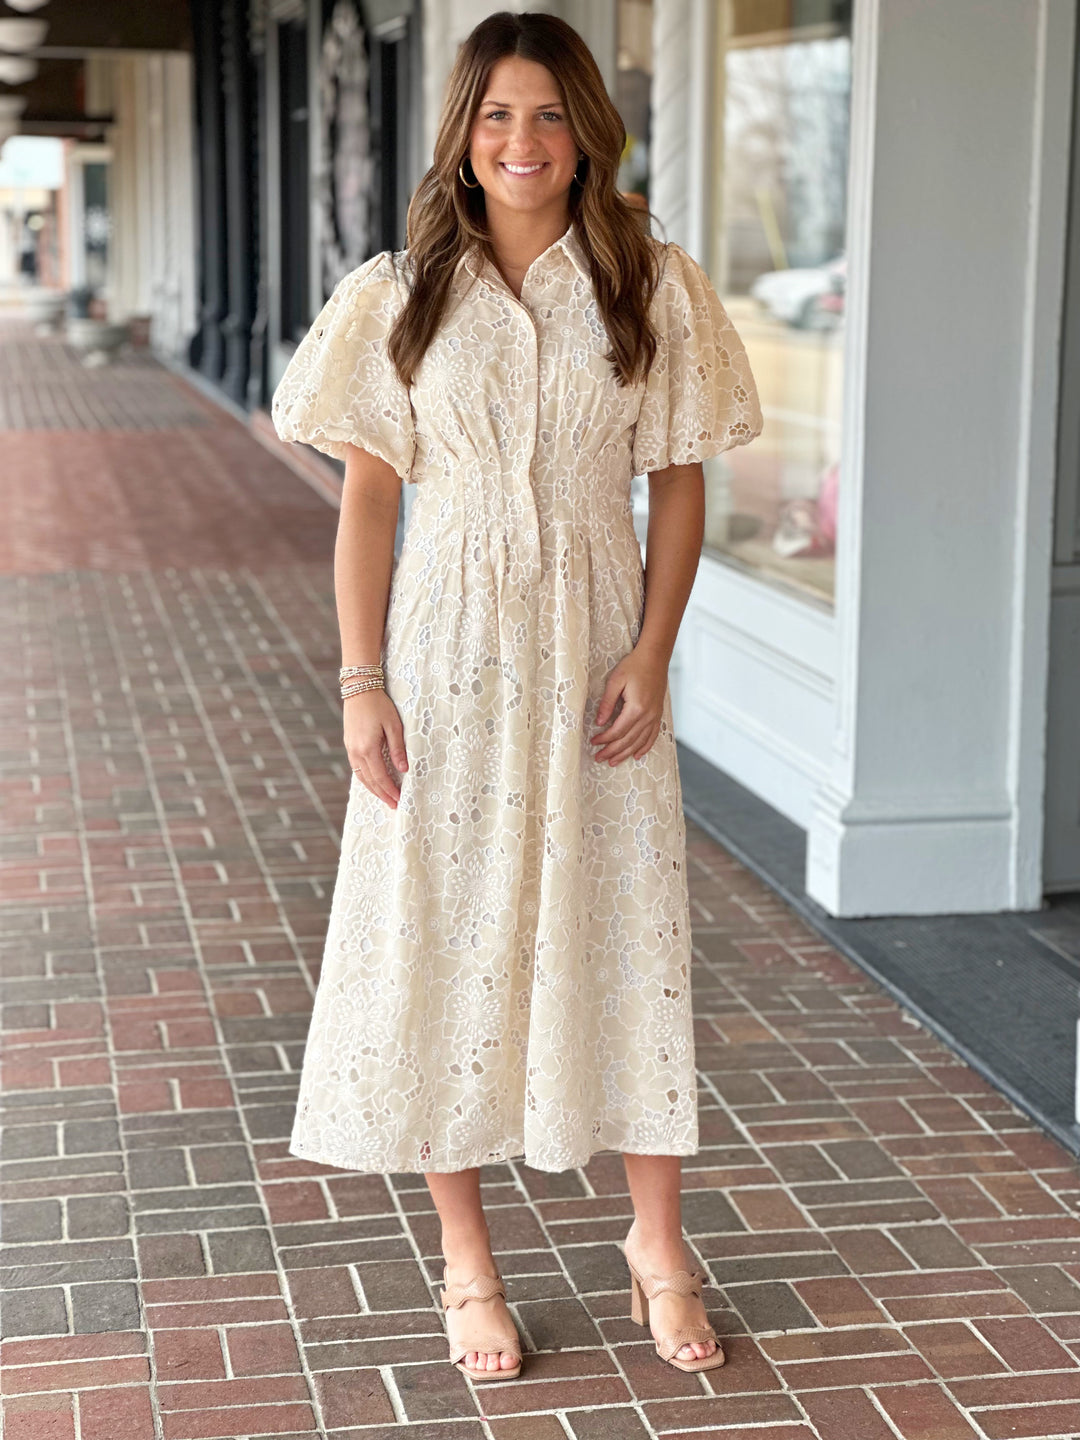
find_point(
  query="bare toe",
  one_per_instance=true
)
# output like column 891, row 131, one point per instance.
column 698, row 1349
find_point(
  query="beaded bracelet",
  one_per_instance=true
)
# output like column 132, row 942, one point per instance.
column 355, row 679
column 357, row 687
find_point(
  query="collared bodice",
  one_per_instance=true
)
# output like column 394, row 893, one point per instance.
column 516, row 397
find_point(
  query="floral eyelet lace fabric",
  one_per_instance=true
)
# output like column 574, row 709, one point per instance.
column 507, row 965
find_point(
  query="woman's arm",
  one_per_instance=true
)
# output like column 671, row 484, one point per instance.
column 364, row 554
column 672, row 551
column 363, row 565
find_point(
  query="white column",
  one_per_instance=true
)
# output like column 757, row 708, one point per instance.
column 159, row 218
column 682, row 158
column 445, row 25
column 596, row 22
column 684, row 167
column 146, row 127
column 175, row 314
column 960, row 139
column 125, row 248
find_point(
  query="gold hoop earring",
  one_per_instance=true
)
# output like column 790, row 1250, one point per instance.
column 576, row 176
column 475, row 184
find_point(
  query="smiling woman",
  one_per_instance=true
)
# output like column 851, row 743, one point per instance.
column 512, row 111
column 524, row 157
column 512, row 900
column 535, row 142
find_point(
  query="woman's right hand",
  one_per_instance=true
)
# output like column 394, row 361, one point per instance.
column 373, row 730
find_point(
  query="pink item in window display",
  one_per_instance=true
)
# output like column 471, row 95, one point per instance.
column 828, row 499
column 808, row 527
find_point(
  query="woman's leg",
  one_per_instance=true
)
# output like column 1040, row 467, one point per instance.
column 466, row 1248
column 655, row 1243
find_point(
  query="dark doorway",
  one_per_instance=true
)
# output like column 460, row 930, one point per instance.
column 295, row 179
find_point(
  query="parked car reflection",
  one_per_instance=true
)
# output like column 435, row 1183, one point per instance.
column 807, row 299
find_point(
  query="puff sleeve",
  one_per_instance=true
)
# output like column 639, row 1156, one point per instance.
column 700, row 397
column 340, row 385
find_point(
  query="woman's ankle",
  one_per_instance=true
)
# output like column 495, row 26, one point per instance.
column 665, row 1248
column 467, row 1242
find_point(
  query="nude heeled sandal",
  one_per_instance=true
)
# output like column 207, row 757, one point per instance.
column 683, row 1282
column 481, row 1287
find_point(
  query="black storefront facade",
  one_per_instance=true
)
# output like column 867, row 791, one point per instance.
column 306, row 122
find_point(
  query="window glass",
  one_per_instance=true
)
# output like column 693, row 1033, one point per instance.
column 779, row 154
column 782, row 120
column 633, row 97
column 633, row 86
column 97, row 222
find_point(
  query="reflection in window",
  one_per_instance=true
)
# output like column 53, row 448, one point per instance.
column 97, row 223
column 633, row 96
column 633, row 86
column 783, row 106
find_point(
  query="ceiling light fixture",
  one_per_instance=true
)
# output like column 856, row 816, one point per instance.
column 16, row 69
column 19, row 35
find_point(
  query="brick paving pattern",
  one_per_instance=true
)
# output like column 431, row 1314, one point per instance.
column 894, row 1250
column 45, row 386
column 95, row 490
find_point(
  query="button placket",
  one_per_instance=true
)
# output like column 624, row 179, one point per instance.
column 523, row 521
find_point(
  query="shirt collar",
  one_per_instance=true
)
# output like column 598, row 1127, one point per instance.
column 569, row 243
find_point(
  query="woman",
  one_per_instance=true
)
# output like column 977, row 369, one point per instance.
column 507, row 967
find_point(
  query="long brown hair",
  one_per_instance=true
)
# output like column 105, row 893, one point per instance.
column 445, row 217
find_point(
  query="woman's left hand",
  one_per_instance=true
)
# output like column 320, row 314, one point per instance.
column 640, row 680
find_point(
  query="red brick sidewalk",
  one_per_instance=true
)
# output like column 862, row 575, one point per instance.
column 894, row 1249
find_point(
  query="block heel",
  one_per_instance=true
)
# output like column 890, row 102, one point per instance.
column 682, row 1282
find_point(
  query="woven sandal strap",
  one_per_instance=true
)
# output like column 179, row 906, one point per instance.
column 481, row 1287
column 671, row 1344
column 683, row 1282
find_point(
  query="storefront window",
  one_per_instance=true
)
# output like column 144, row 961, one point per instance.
column 633, row 96
column 782, row 119
column 97, row 223
column 779, row 151
column 633, row 51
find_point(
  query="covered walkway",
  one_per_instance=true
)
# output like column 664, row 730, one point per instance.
column 894, row 1249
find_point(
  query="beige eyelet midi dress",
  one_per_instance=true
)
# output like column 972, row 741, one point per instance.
column 507, row 964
